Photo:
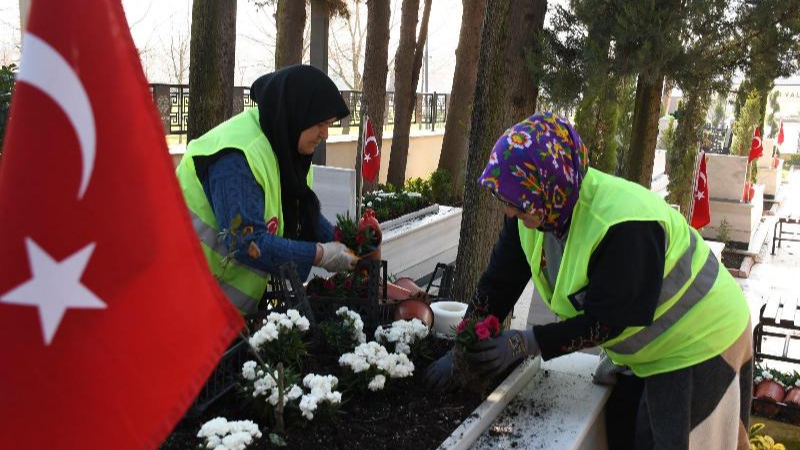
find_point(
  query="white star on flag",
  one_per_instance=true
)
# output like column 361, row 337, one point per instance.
column 699, row 195
column 54, row 287
column 366, row 157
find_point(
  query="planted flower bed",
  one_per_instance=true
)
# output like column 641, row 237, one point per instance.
column 391, row 205
column 335, row 381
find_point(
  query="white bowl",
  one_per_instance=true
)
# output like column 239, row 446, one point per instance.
column 446, row 315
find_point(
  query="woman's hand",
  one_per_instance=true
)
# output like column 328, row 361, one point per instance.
column 335, row 257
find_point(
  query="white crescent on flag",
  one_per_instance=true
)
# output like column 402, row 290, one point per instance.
column 372, row 140
column 45, row 69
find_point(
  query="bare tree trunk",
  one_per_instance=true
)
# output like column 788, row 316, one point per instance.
column 211, row 64
column 638, row 166
column 407, row 64
column 507, row 96
column 376, row 69
column 290, row 22
column 456, row 130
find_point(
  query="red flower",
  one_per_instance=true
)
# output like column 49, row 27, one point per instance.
column 348, row 283
column 493, row 324
column 482, row 331
column 360, row 238
column 337, row 234
column 329, row 284
column 272, row 225
column 461, row 325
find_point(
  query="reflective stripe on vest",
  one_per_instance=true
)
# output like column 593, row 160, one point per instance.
column 239, row 299
column 211, row 238
column 701, row 285
column 679, row 274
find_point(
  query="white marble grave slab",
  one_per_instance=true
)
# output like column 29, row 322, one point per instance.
column 336, row 189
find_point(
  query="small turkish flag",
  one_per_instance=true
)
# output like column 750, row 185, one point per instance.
column 110, row 321
column 372, row 154
column 701, row 213
column 780, row 134
column 756, row 147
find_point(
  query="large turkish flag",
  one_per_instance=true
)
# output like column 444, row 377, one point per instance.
column 110, row 320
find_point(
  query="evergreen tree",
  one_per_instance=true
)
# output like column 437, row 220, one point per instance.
column 719, row 110
column 745, row 125
column 774, row 107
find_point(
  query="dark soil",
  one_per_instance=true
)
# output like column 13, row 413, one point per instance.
column 404, row 415
column 732, row 260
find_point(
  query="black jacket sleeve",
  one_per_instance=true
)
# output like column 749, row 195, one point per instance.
column 508, row 272
column 625, row 276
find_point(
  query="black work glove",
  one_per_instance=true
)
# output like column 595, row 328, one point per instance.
column 439, row 374
column 493, row 356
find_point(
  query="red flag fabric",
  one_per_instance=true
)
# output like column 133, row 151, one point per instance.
column 110, row 321
column 756, row 147
column 372, row 154
column 701, row 214
column 780, row 134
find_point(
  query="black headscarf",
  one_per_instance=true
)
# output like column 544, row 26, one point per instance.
column 289, row 101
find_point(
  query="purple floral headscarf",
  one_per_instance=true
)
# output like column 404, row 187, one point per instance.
column 538, row 166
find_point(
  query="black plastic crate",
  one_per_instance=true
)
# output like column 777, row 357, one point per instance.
column 374, row 308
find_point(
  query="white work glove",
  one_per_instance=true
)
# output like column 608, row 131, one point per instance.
column 336, row 257
column 606, row 372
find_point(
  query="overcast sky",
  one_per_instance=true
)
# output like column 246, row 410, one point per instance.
column 158, row 24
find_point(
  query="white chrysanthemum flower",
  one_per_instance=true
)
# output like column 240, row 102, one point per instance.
column 308, row 404
column 397, row 365
column 377, row 383
column 249, row 370
column 302, row 324
column 219, row 434
column 321, row 390
column 295, row 392
column 286, row 323
column 293, row 315
column 403, row 334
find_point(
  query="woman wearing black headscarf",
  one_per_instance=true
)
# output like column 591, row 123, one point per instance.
column 245, row 183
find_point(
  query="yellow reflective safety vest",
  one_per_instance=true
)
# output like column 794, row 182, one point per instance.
column 701, row 309
column 244, row 285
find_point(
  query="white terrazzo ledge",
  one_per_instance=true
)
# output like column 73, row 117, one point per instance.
column 559, row 408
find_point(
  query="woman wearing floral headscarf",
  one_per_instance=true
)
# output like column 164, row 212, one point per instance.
column 623, row 271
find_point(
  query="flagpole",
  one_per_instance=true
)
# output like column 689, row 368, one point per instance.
column 360, row 156
column 745, row 191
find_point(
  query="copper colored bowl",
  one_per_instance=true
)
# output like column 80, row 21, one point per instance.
column 414, row 309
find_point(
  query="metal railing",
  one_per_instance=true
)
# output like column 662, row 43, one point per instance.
column 172, row 102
